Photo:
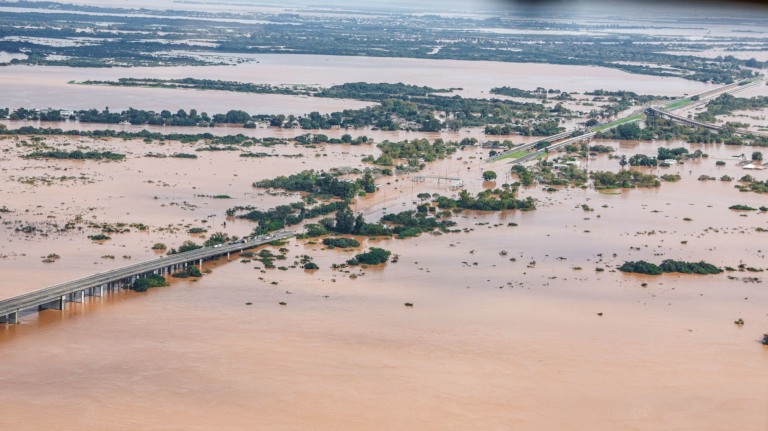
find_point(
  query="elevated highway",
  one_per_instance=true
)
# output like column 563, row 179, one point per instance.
column 691, row 122
column 58, row 296
column 565, row 138
column 527, row 146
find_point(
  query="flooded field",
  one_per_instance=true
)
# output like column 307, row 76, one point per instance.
column 32, row 87
column 493, row 339
column 43, row 87
column 517, row 321
column 264, row 131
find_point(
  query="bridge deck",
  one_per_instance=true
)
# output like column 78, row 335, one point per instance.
column 529, row 145
column 685, row 120
column 53, row 293
column 564, row 139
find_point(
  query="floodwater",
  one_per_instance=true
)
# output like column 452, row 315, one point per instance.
column 34, row 87
column 6, row 57
column 44, row 87
column 530, row 339
column 264, row 131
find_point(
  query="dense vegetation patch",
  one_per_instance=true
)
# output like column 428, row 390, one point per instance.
column 374, row 256
column 669, row 265
column 189, row 271
column 185, row 247
column 146, row 283
column 321, row 183
column 624, row 180
column 525, row 175
column 741, row 207
column 748, row 183
column 416, row 151
column 284, row 215
column 75, row 155
column 555, row 173
column 341, row 242
column 487, row 200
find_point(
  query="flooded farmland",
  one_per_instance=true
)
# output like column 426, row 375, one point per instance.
column 509, row 320
column 521, row 329
column 46, row 87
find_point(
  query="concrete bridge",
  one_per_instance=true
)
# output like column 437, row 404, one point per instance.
column 734, row 88
column 564, row 138
column 656, row 112
column 57, row 297
column 576, row 139
column 573, row 140
column 529, row 145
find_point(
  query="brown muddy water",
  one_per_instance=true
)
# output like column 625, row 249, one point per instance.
column 264, row 131
column 531, row 339
column 43, row 87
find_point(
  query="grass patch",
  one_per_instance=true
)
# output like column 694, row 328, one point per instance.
column 513, row 155
column 613, row 124
column 678, row 104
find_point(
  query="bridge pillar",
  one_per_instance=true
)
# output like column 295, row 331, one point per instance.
column 11, row 319
column 227, row 255
column 81, row 294
column 201, row 265
column 57, row 304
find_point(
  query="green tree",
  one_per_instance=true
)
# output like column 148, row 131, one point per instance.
column 367, row 183
column 359, row 224
column 345, row 220
column 373, row 257
column 188, row 246
column 216, row 238
column 757, row 156
column 489, row 175
column 629, row 131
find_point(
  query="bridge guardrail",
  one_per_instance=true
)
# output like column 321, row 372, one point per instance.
column 48, row 294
